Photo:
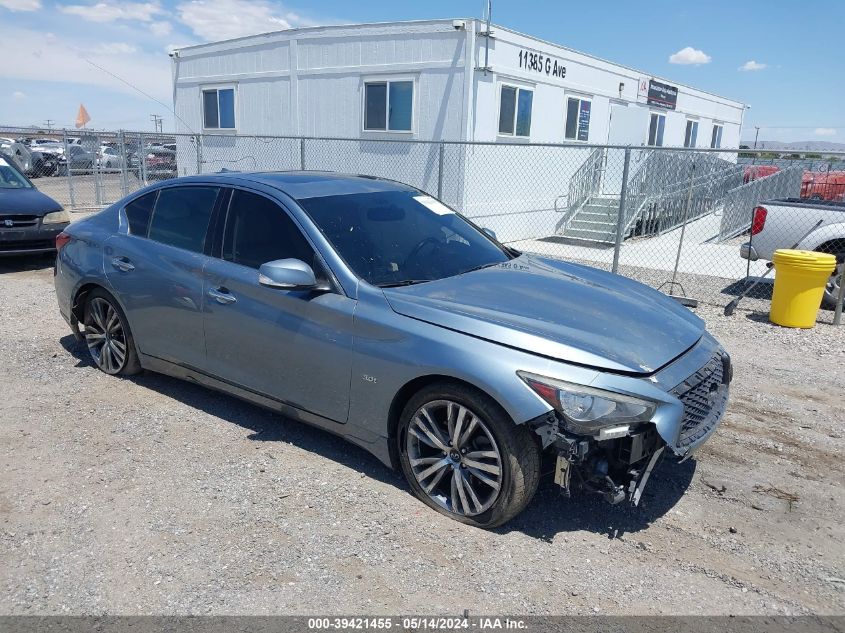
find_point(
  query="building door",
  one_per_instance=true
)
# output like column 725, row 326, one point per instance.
column 628, row 126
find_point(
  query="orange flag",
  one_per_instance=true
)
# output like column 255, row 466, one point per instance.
column 82, row 117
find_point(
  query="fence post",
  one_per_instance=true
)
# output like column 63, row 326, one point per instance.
column 441, row 154
column 142, row 165
column 67, row 170
column 199, row 153
column 837, row 315
column 302, row 153
column 124, row 164
column 97, row 174
column 620, row 219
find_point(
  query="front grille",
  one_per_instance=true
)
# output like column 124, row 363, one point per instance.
column 704, row 395
column 26, row 245
column 17, row 221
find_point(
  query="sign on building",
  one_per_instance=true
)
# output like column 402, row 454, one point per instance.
column 662, row 95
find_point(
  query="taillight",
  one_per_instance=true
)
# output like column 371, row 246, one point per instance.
column 61, row 240
column 759, row 220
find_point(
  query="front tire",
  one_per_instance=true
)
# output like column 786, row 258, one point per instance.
column 463, row 456
column 107, row 335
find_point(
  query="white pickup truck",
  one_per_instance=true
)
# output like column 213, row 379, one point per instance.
column 781, row 223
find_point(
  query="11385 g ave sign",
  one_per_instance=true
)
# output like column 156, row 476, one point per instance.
column 542, row 64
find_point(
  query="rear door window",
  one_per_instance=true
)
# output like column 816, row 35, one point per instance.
column 138, row 213
column 181, row 216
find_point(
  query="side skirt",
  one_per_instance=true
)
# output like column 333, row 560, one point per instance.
column 374, row 444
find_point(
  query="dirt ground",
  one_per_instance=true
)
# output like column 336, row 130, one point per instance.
column 154, row 496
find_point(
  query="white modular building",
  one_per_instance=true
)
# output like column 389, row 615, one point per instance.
column 434, row 80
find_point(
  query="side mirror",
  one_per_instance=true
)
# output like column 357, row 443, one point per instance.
column 287, row 274
column 490, row 233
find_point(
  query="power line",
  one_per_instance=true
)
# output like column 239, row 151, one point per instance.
column 148, row 96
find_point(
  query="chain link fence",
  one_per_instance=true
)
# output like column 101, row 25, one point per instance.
column 695, row 223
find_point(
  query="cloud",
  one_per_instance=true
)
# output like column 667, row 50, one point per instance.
column 32, row 55
column 110, row 11
column 160, row 29
column 825, row 131
column 751, row 66
column 689, row 56
column 17, row 95
column 21, row 5
column 113, row 48
column 226, row 19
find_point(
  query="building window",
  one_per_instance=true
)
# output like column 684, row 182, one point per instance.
column 655, row 129
column 578, row 119
column 218, row 109
column 716, row 137
column 389, row 106
column 691, row 134
column 515, row 111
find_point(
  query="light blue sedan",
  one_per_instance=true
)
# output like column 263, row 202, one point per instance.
column 368, row 308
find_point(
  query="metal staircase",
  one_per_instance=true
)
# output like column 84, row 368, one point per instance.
column 595, row 221
column 656, row 195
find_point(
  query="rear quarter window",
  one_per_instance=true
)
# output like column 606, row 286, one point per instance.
column 138, row 213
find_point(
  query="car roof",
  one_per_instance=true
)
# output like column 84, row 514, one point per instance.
column 301, row 185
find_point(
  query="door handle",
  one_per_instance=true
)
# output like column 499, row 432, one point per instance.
column 122, row 264
column 221, row 295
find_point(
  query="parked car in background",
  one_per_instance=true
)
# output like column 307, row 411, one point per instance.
column 159, row 163
column 51, row 147
column 781, row 223
column 823, row 185
column 110, row 158
column 29, row 220
column 32, row 163
column 75, row 160
column 754, row 172
column 368, row 308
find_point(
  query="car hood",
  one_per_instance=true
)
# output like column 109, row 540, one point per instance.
column 560, row 310
column 26, row 201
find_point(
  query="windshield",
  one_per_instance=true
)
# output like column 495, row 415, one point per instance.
column 394, row 237
column 11, row 178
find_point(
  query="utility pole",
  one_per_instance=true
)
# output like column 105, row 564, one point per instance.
column 157, row 123
column 756, row 134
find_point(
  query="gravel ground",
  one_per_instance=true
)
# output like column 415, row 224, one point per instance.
column 154, row 496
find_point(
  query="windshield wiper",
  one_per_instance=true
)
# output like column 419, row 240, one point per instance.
column 479, row 267
column 404, row 282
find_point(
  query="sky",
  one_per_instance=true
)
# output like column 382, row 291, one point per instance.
column 780, row 57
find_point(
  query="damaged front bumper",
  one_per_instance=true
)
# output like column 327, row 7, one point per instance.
column 695, row 393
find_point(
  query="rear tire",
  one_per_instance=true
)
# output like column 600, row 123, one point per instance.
column 107, row 335
column 464, row 457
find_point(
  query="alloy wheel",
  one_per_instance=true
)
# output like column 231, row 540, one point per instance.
column 454, row 457
column 105, row 336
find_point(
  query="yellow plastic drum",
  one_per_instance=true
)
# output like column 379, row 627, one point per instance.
column 800, row 277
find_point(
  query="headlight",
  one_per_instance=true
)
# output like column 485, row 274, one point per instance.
column 586, row 409
column 56, row 217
